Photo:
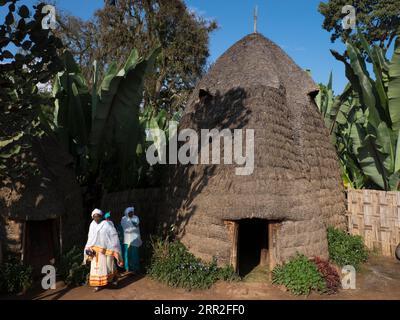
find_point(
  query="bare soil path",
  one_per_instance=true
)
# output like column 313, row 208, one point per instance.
column 378, row 279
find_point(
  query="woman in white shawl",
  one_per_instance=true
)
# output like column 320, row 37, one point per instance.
column 132, row 240
column 101, row 248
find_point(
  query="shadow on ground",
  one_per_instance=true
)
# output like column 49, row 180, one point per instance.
column 379, row 279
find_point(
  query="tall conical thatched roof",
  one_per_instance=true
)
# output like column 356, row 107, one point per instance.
column 256, row 61
column 256, row 85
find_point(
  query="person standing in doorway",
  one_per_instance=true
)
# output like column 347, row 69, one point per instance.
column 132, row 240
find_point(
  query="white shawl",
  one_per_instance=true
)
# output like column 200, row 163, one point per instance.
column 131, row 230
column 104, row 237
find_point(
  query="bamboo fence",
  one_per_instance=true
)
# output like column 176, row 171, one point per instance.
column 375, row 215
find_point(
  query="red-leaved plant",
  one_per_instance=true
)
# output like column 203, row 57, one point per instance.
column 330, row 275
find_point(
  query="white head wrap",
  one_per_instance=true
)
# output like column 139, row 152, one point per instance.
column 129, row 210
column 98, row 212
column 131, row 229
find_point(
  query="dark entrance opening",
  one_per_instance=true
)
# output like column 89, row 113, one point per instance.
column 40, row 243
column 252, row 245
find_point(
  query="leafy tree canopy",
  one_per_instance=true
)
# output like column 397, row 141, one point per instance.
column 378, row 20
column 28, row 58
column 126, row 24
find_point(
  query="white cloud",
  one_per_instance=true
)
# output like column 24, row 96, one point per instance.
column 197, row 11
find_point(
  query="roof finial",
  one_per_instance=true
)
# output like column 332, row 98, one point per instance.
column 255, row 18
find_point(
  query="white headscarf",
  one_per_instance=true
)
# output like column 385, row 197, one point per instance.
column 131, row 229
column 129, row 210
column 97, row 212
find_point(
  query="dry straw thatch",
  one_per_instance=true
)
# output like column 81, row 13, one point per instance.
column 46, row 193
column 296, row 180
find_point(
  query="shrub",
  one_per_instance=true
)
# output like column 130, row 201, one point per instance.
column 174, row 265
column 300, row 276
column 228, row 274
column 346, row 249
column 15, row 277
column 330, row 275
column 70, row 268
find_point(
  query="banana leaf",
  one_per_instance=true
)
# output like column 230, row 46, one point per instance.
column 72, row 105
column 369, row 157
column 5, row 143
column 378, row 71
column 394, row 92
column 116, row 123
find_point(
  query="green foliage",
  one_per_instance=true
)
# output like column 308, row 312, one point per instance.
column 374, row 128
column 325, row 100
column 300, row 276
column 378, row 20
column 116, row 130
column 34, row 63
column 335, row 111
column 15, row 277
column 114, row 31
column 70, row 268
column 174, row 265
column 103, row 131
column 72, row 112
column 150, row 119
column 365, row 120
column 346, row 249
column 227, row 273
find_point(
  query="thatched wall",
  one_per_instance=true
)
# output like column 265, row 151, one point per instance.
column 11, row 236
column 296, row 180
column 47, row 191
column 375, row 215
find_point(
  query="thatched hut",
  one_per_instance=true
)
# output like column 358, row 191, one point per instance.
column 41, row 212
column 295, row 192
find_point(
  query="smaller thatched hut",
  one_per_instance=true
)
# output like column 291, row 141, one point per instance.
column 41, row 213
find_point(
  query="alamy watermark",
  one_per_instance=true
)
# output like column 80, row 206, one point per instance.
column 349, row 278
column 49, row 280
column 49, row 20
column 349, row 21
column 196, row 150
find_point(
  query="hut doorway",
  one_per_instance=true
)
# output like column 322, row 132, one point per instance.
column 40, row 243
column 253, row 244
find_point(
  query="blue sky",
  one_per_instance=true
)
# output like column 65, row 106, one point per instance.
column 295, row 25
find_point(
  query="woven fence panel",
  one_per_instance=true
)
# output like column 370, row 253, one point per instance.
column 375, row 215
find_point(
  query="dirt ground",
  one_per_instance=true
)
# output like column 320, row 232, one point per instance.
column 378, row 279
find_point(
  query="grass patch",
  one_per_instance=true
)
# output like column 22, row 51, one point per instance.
column 173, row 264
column 258, row 274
